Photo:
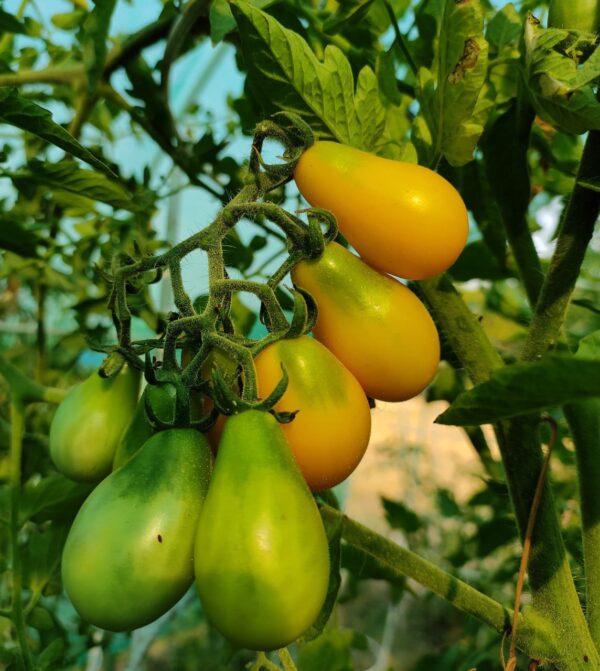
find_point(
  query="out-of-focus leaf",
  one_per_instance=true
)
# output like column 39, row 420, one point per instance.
column 333, row 529
column 453, row 101
column 332, row 651
column 476, row 261
column 10, row 23
column 68, row 176
column 95, row 34
column 221, row 18
column 55, row 497
column 348, row 11
column 559, row 84
column 41, row 558
column 524, row 388
column 400, row 516
column 21, row 112
column 323, row 93
column 15, row 238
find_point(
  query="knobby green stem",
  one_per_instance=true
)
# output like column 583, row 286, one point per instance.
column 575, row 234
column 551, row 583
column 460, row 326
column 584, row 421
column 533, row 636
column 17, row 416
column 514, row 213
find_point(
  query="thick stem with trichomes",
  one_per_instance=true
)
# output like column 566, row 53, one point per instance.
column 534, row 637
column 17, row 417
column 584, row 422
column 574, row 237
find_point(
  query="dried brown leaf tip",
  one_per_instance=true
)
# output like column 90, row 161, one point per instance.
column 467, row 61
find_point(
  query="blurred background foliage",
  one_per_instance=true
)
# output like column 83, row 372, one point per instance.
column 172, row 117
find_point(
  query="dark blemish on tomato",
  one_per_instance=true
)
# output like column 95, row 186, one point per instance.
column 159, row 538
column 586, row 659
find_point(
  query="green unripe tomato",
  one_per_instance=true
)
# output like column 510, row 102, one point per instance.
column 575, row 15
column 89, row 423
column 261, row 555
column 128, row 556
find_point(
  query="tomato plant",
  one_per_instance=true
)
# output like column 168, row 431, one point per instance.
column 269, row 299
column 402, row 218
column 330, row 432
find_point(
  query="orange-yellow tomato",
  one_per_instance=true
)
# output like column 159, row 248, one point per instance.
column 330, row 433
column 372, row 323
column 402, row 218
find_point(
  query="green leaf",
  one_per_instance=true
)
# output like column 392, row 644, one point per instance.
column 348, row 11
column 221, row 19
column 559, row 84
column 10, row 24
column 331, row 651
column 68, row 176
column 453, row 101
column 16, row 239
column 55, row 497
column 281, row 62
column 589, row 347
column 477, row 261
column 41, row 558
column 95, row 33
column 18, row 111
column 333, row 529
column 400, row 517
column 524, row 388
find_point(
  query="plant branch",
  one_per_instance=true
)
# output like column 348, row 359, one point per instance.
column 17, row 418
column 584, row 422
column 533, row 635
column 573, row 239
column 400, row 41
column 460, row 326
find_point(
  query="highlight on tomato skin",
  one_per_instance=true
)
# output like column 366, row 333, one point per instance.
column 402, row 218
column 331, row 430
column 373, row 324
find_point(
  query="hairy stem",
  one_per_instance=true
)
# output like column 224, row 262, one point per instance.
column 532, row 637
column 17, row 417
column 575, row 234
column 584, row 421
column 460, row 326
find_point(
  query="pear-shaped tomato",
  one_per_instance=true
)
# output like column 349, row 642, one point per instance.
column 331, row 430
column 575, row 15
column 261, row 556
column 139, row 429
column 402, row 218
column 128, row 556
column 372, row 323
column 89, row 423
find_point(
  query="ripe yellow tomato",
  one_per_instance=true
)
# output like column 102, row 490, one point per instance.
column 330, row 433
column 403, row 219
column 372, row 323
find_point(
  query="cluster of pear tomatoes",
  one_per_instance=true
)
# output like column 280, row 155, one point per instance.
column 248, row 529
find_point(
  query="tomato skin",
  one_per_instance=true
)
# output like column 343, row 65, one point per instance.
column 89, row 423
column 329, row 435
column 403, row 219
column 128, row 556
column 575, row 15
column 372, row 323
column 261, row 556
